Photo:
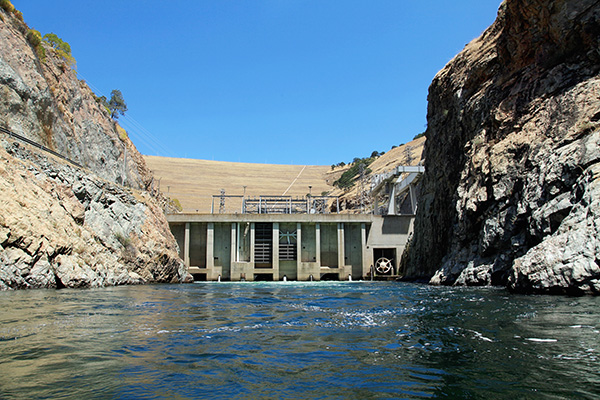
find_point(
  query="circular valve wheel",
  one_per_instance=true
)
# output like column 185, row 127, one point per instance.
column 383, row 265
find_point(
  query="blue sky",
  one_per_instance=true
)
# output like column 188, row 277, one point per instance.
column 269, row 81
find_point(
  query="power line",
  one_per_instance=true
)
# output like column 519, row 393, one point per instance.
column 145, row 136
column 134, row 128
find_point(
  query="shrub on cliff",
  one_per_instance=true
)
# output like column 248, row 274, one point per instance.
column 19, row 15
column 103, row 102
column 7, row 6
column 35, row 39
column 62, row 48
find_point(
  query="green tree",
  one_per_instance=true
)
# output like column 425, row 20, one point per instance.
column 116, row 104
column 62, row 48
column 347, row 179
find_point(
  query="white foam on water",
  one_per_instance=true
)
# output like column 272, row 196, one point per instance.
column 582, row 327
column 365, row 318
column 537, row 340
column 479, row 335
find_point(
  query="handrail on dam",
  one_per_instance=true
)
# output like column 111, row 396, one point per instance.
column 39, row 146
column 380, row 179
column 274, row 204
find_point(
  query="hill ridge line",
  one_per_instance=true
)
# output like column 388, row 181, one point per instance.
column 231, row 162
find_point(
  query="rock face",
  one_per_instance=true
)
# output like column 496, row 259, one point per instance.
column 511, row 191
column 61, row 225
column 45, row 102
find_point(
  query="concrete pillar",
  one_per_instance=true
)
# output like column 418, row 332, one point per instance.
column 413, row 199
column 233, row 242
column 186, row 245
column 318, row 243
column 237, row 242
column 275, row 251
column 210, row 245
column 298, row 245
column 341, row 245
column 252, row 244
column 366, row 263
column 392, row 203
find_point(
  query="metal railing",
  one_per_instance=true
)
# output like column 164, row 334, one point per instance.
column 379, row 179
column 234, row 204
column 39, row 146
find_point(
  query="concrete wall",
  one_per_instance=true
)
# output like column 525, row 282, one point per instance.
column 308, row 241
column 289, row 269
column 243, row 241
column 329, row 245
column 222, row 248
column 353, row 249
column 389, row 232
column 198, row 244
column 178, row 230
column 336, row 245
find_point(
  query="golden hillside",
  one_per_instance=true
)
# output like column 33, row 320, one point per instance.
column 397, row 156
column 194, row 182
column 387, row 162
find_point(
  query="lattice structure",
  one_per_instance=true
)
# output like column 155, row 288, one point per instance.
column 222, row 202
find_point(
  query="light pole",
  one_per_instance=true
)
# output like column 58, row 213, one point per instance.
column 244, row 201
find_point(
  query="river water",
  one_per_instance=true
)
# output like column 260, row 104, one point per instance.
column 359, row 340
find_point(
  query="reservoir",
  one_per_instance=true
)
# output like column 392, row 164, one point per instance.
column 288, row 340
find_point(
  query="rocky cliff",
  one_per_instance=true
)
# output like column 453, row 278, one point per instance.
column 511, row 194
column 61, row 224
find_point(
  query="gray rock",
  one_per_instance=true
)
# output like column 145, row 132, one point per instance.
column 512, row 155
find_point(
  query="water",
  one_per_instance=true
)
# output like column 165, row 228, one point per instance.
column 358, row 340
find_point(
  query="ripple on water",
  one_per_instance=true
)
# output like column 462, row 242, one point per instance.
column 308, row 340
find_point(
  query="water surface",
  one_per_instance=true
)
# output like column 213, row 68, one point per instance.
column 359, row 340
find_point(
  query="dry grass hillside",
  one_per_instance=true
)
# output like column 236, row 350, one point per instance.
column 194, row 182
column 397, row 156
column 406, row 154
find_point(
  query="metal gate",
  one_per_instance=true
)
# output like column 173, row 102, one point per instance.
column 263, row 243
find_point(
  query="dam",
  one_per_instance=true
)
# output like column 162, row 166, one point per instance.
column 275, row 238
column 295, row 246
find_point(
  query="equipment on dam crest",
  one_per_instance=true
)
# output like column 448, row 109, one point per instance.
column 234, row 204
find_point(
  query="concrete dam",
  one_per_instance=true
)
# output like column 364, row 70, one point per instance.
column 275, row 238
